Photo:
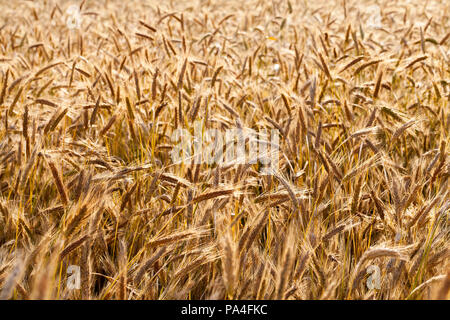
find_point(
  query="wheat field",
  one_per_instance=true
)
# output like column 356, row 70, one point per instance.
column 92, row 92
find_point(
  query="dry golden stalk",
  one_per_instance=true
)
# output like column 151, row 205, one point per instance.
column 443, row 291
column 351, row 63
column 213, row 194
column 181, row 75
column 123, row 270
column 5, row 85
column 108, row 125
column 183, row 235
column 415, row 61
column 362, row 115
column 73, row 246
column 372, row 253
column 54, row 120
column 376, row 91
column 75, row 221
column 126, row 197
column 366, row 65
column 216, row 73
column 59, row 183
column 230, row 263
column 16, row 98
column 148, row 264
column 13, row 278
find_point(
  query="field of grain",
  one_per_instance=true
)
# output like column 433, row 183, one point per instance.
column 93, row 205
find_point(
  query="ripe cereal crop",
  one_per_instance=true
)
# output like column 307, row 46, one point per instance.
column 204, row 149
